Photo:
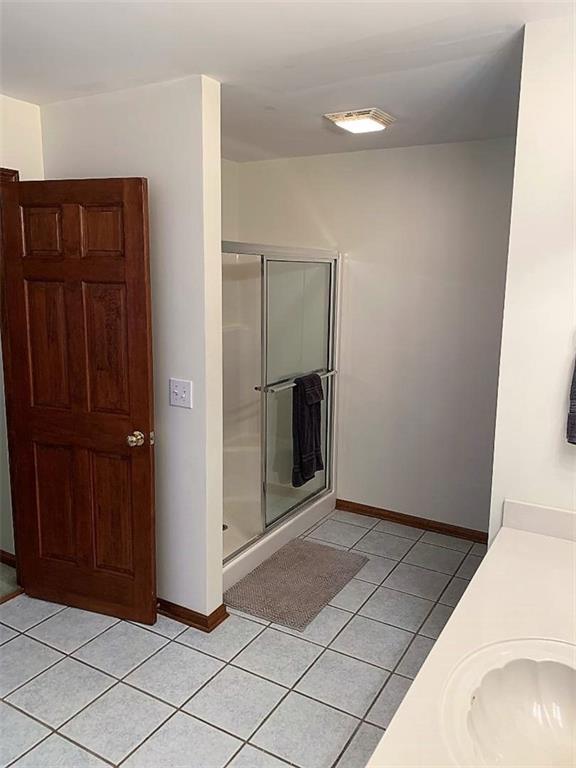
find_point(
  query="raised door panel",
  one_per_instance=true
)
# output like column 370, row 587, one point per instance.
column 47, row 344
column 75, row 280
column 112, row 512
column 56, row 523
column 102, row 230
column 42, row 231
column 107, row 347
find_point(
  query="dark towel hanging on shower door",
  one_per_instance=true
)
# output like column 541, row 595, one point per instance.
column 307, row 396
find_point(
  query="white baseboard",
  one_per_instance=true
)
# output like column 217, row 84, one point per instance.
column 549, row 521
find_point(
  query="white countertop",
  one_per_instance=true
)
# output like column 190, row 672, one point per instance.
column 524, row 588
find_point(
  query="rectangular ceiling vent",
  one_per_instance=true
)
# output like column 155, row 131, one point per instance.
column 361, row 120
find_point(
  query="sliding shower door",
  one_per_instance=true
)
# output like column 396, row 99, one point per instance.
column 298, row 329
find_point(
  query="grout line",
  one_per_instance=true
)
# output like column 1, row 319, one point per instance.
column 41, row 621
column 66, row 738
column 364, row 601
column 29, row 680
column 393, row 671
column 87, row 749
column 70, row 655
column 399, row 674
column 212, row 725
column 329, row 647
column 282, row 760
column 150, row 628
column 292, row 632
column 357, row 728
column 289, row 690
column 351, row 738
column 116, row 680
column 349, row 522
column 180, row 708
column 263, row 627
column 292, row 689
column 53, row 731
column 32, row 717
column 27, row 751
column 322, row 649
column 445, row 546
column 386, row 533
column 446, row 587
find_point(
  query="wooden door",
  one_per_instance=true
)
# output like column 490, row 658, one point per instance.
column 76, row 336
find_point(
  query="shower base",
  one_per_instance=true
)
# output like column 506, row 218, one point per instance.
column 242, row 516
column 265, row 545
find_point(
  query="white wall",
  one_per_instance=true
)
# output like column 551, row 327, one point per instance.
column 21, row 150
column 21, row 137
column 532, row 460
column 425, row 230
column 230, row 199
column 170, row 133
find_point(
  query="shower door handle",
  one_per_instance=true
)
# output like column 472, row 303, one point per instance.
column 281, row 386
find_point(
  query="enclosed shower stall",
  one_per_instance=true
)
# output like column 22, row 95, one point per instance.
column 279, row 322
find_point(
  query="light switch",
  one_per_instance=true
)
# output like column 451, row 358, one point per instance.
column 181, row 393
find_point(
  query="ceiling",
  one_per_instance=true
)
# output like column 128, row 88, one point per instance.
column 447, row 71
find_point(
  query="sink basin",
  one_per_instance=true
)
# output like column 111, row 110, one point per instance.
column 513, row 704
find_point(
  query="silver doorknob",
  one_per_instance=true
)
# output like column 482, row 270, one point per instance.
column 136, row 439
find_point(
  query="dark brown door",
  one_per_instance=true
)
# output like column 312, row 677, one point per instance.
column 78, row 375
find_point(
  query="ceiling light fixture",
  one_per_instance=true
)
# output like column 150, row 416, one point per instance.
column 361, row 120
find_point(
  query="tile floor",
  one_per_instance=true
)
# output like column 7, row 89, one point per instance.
column 80, row 690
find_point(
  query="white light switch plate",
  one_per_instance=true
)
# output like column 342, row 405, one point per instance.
column 181, row 393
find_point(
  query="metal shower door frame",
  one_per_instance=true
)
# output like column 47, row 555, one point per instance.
column 310, row 256
column 267, row 254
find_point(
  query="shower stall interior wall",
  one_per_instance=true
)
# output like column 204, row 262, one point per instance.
column 279, row 322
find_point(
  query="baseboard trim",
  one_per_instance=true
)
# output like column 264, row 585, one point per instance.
column 7, row 558
column 11, row 595
column 193, row 618
column 420, row 522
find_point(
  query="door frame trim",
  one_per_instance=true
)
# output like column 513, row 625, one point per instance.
column 7, row 175
column 7, row 558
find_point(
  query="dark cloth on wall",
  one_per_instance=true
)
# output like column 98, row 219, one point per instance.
column 571, row 425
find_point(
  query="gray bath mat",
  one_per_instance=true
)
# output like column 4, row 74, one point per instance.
column 292, row 586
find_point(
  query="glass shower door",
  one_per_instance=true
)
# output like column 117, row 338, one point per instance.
column 298, row 325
